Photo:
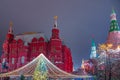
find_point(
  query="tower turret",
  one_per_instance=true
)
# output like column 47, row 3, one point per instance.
column 10, row 34
column 114, row 32
column 113, row 24
column 6, row 44
column 93, row 50
column 55, row 30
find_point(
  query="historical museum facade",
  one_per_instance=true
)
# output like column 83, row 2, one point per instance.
column 18, row 50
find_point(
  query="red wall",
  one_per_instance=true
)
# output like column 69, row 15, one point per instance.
column 53, row 49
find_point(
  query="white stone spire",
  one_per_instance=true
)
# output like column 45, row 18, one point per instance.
column 55, row 21
column 10, row 29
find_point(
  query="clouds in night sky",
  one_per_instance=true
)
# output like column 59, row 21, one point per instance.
column 78, row 20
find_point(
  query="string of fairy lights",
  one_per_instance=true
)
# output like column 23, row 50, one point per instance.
column 110, row 50
column 53, row 71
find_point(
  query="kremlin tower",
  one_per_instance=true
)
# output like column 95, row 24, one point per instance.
column 112, row 45
column 93, row 50
column 89, row 65
column 114, row 32
column 109, row 52
column 20, row 49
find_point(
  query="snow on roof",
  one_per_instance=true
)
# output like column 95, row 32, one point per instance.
column 27, row 37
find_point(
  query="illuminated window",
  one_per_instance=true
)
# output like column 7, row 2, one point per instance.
column 33, row 49
column 111, row 27
column 93, row 48
column 41, row 48
column 3, row 60
column 20, row 48
column 13, row 60
column 26, row 50
column 22, row 59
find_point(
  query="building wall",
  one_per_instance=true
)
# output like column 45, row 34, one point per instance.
column 19, row 53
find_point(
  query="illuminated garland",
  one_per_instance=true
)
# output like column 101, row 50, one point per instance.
column 39, row 72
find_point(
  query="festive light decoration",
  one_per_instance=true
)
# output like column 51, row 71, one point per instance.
column 50, row 70
column 109, row 53
column 40, row 72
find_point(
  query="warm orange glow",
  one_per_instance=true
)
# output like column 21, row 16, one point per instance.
column 55, row 17
column 102, row 47
column 105, row 46
column 109, row 45
column 11, row 24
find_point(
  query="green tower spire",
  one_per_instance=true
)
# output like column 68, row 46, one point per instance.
column 93, row 43
column 93, row 50
column 114, row 24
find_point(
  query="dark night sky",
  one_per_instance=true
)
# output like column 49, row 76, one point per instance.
column 78, row 20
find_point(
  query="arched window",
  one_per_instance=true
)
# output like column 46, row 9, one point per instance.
column 54, row 49
column 22, row 59
column 3, row 60
column 33, row 49
column 13, row 60
column 40, row 48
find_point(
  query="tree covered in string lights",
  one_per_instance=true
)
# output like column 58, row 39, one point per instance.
column 40, row 72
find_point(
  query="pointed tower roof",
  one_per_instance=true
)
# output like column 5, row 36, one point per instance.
column 55, row 21
column 55, row 30
column 93, row 50
column 113, row 24
column 10, row 28
column 93, row 42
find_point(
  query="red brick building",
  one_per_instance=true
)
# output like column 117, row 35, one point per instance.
column 18, row 50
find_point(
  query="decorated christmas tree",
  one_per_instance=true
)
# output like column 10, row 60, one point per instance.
column 40, row 72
